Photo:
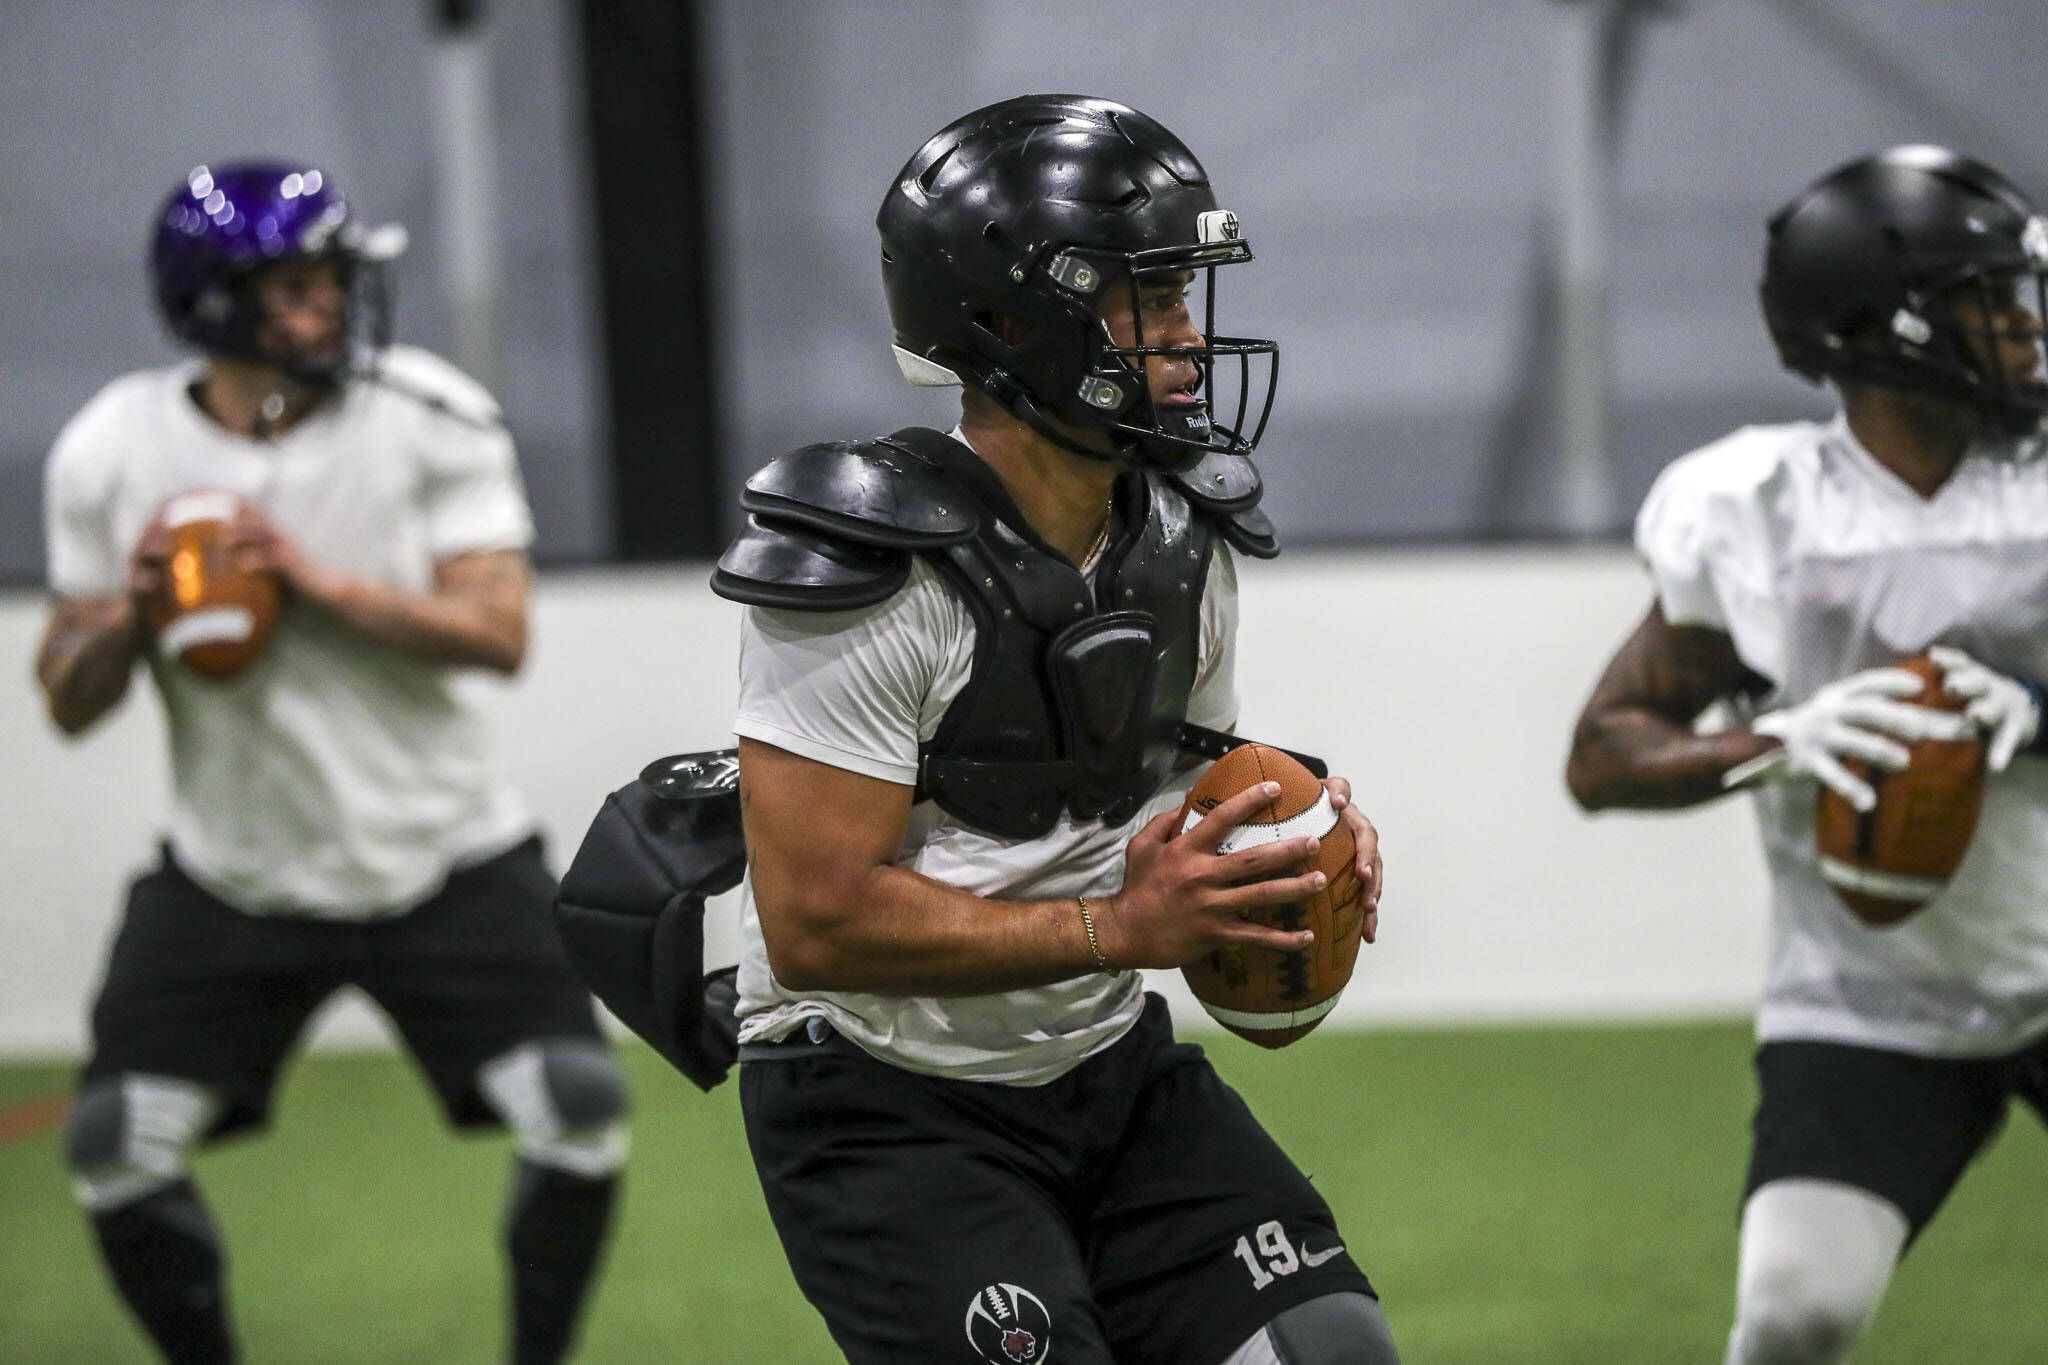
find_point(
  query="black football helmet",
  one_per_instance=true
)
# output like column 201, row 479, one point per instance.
column 1864, row 271
column 1000, row 239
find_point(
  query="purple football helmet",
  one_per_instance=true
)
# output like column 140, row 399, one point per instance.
column 225, row 222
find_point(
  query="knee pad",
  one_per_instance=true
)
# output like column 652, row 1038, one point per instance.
column 1336, row 1329
column 129, row 1136
column 565, row 1102
column 1791, row 1328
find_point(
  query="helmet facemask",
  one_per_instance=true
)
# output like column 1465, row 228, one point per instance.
column 1183, row 432
column 1054, row 358
column 1975, row 342
column 1990, row 336
column 365, row 322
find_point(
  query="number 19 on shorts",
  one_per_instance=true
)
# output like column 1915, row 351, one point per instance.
column 1267, row 1254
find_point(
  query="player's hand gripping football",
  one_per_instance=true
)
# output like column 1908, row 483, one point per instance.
column 1181, row 899
column 149, row 563
column 1372, row 869
column 1859, row 717
column 259, row 547
column 2005, row 709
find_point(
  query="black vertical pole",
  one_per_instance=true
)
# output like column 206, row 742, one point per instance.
column 454, row 16
column 647, row 165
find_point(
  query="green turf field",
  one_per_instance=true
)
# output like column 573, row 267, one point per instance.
column 1520, row 1197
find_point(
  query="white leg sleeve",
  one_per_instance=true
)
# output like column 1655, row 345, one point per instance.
column 1816, row 1257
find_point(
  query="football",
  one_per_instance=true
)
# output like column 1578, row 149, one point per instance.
column 1271, row 997
column 210, row 616
column 1887, row 864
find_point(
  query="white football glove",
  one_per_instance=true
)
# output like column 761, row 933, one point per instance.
column 1859, row 717
column 2005, row 709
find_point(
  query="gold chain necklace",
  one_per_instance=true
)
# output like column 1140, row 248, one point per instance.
column 1101, row 537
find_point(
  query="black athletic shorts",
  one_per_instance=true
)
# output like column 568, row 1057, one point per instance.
column 1900, row 1126
column 1132, row 1210
column 201, row 991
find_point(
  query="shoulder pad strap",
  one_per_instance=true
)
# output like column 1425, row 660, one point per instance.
column 1227, row 488
column 781, row 564
column 486, row 418
column 871, row 493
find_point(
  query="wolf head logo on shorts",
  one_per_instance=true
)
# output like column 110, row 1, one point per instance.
column 1009, row 1326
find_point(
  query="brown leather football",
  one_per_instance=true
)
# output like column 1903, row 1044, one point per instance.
column 1272, row 997
column 211, row 616
column 1887, row 864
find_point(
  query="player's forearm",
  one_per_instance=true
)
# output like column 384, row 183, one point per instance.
column 438, row 627
column 1634, row 758
column 86, row 658
column 1636, row 745
column 893, row 932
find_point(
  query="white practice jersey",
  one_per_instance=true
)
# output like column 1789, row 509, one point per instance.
column 333, row 777
column 1819, row 562
column 860, row 690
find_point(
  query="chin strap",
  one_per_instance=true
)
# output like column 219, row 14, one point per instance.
column 1129, row 449
column 1017, row 401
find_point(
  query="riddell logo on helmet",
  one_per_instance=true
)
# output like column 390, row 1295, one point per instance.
column 1007, row 1325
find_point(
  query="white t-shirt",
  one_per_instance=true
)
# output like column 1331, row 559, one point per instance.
column 860, row 690
column 334, row 777
column 1819, row 562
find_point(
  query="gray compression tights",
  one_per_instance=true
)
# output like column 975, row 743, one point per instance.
column 1336, row 1329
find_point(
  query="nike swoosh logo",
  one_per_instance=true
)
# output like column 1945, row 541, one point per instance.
column 1312, row 1259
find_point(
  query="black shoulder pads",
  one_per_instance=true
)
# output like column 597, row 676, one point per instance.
column 1222, row 482
column 1228, row 488
column 834, row 526
column 868, row 492
column 780, row 564
column 1251, row 531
